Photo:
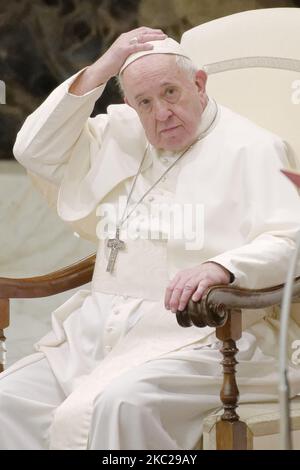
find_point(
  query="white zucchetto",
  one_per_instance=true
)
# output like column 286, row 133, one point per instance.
column 166, row 46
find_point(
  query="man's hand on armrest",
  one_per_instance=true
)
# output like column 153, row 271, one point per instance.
column 192, row 283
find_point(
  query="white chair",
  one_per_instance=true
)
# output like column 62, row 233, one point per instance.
column 253, row 64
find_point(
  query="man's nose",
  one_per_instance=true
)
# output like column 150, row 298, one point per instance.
column 162, row 111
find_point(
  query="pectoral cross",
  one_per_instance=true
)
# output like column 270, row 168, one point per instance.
column 115, row 244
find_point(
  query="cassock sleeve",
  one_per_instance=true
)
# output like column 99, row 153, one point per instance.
column 60, row 127
column 271, row 219
column 60, row 133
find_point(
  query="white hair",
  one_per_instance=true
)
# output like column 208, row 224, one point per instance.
column 182, row 62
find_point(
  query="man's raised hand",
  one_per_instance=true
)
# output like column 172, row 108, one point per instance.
column 126, row 44
column 110, row 63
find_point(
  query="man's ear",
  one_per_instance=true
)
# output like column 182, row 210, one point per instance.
column 200, row 80
column 126, row 101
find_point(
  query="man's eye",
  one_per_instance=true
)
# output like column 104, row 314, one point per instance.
column 171, row 93
column 144, row 103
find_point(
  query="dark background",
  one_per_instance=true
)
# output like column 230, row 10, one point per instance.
column 42, row 42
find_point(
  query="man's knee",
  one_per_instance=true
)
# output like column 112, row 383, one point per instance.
column 6, row 381
column 7, row 389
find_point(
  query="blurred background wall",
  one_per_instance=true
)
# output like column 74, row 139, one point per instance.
column 42, row 42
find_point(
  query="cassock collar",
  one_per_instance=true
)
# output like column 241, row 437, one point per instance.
column 208, row 118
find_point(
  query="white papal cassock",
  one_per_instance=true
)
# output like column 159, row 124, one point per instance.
column 116, row 371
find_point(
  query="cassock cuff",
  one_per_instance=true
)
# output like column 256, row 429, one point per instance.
column 232, row 276
column 72, row 79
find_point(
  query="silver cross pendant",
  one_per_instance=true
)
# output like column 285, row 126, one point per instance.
column 115, row 244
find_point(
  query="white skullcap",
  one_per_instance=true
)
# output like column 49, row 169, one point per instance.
column 166, row 46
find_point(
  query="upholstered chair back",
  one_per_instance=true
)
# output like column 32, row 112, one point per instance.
column 253, row 64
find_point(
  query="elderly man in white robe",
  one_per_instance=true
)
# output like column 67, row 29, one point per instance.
column 117, row 371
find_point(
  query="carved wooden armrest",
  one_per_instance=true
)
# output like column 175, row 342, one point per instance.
column 218, row 301
column 64, row 279
column 221, row 307
column 72, row 276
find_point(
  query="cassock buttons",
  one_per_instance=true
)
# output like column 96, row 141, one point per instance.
column 108, row 348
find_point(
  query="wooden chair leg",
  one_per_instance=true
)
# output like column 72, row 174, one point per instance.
column 4, row 323
column 231, row 433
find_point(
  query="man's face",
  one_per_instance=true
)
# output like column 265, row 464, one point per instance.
column 168, row 102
